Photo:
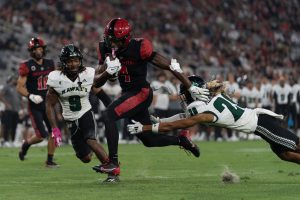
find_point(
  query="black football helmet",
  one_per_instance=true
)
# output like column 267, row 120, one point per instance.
column 118, row 30
column 67, row 52
column 183, row 91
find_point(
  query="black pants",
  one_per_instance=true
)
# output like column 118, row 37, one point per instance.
column 279, row 138
column 133, row 105
column 81, row 130
column 38, row 116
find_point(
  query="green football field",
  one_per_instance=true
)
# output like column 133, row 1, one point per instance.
column 157, row 173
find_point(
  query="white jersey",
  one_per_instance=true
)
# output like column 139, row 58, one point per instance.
column 73, row 99
column 265, row 91
column 282, row 93
column 296, row 93
column 251, row 96
column 228, row 114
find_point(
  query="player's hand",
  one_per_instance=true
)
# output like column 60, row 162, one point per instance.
column 135, row 128
column 56, row 135
column 35, row 98
column 198, row 93
column 175, row 66
column 113, row 66
column 154, row 119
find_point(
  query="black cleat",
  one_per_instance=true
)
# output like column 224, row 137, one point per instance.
column 188, row 145
column 112, row 179
column 51, row 164
column 23, row 151
column 21, row 156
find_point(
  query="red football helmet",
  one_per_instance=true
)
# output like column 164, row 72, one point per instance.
column 117, row 31
column 36, row 42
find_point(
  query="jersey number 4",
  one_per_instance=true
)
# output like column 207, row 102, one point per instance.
column 124, row 72
column 236, row 111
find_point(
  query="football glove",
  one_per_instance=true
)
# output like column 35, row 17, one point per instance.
column 135, row 128
column 113, row 66
column 175, row 66
column 56, row 135
column 35, row 98
column 198, row 93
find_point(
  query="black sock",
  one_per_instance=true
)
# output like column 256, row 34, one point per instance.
column 25, row 147
column 50, row 158
column 112, row 136
column 150, row 139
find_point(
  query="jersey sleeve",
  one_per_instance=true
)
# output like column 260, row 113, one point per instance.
column 23, row 70
column 51, row 82
column 146, row 49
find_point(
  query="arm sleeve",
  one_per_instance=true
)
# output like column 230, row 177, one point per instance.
column 174, row 118
column 146, row 50
column 23, row 70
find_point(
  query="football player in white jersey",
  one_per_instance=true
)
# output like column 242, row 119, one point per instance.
column 282, row 93
column 295, row 107
column 70, row 86
column 220, row 110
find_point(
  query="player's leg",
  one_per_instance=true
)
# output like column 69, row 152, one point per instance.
column 290, row 156
column 283, row 142
column 36, row 118
column 46, row 133
column 150, row 139
column 123, row 107
column 87, row 124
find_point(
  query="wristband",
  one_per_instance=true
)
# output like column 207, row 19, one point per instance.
column 155, row 128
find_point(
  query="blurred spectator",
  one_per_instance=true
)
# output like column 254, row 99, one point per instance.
column 12, row 101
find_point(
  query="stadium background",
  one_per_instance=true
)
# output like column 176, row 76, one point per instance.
column 247, row 37
column 212, row 38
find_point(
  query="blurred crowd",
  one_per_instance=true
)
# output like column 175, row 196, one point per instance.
column 247, row 41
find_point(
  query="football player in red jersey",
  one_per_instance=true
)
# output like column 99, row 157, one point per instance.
column 32, row 83
column 134, row 55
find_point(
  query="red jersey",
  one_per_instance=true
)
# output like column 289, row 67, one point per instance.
column 37, row 76
column 134, row 59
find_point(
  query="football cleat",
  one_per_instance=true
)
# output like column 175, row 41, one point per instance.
column 23, row 151
column 112, row 179
column 108, row 168
column 21, row 156
column 51, row 164
column 187, row 144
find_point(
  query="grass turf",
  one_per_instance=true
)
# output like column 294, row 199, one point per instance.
column 157, row 173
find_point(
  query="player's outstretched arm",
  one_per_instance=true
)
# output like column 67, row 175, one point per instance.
column 165, row 63
column 174, row 67
column 137, row 127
